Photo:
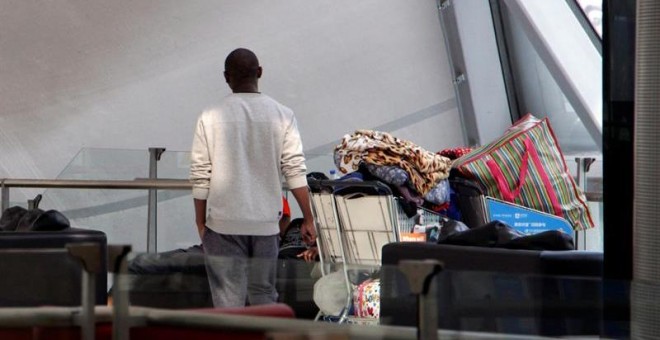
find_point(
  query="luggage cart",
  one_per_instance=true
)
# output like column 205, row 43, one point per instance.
column 370, row 217
column 326, row 224
column 329, row 241
column 406, row 225
column 368, row 220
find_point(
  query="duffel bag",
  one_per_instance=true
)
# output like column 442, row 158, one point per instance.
column 526, row 166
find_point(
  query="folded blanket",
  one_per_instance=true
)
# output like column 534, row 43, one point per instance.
column 426, row 169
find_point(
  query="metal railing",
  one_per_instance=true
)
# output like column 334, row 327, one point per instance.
column 147, row 184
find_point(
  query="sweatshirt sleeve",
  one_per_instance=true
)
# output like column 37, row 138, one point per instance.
column 200, row 162
column 293, row 159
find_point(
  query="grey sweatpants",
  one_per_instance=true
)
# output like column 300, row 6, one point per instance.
column 241, row 268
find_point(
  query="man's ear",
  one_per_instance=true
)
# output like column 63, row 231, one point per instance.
column 259, row 72
column 226, row 76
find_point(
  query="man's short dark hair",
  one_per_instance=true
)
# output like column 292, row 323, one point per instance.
column 242, row 63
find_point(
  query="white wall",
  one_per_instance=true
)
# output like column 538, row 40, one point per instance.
column 134, row 74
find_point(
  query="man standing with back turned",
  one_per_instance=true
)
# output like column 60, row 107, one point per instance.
column 241, row 149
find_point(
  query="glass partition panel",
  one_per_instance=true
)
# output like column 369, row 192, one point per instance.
column 320, row 163
column 593, row 239
column 176, row 219
column 107, row 164
column 174, row 164
column 122, row 214
column 590, row 180
column 93, row 164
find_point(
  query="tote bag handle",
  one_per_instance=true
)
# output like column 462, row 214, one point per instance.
column 503, row 186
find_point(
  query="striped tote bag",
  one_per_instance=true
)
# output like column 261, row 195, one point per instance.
column 526, row 166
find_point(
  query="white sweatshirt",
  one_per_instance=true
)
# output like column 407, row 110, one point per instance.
column 241, row 149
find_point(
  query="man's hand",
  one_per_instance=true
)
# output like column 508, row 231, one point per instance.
column 309, row 255
column 308, row 232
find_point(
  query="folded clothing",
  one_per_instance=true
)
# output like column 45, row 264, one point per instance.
column 396, row 176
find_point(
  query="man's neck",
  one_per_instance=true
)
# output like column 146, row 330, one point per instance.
column 247, row 88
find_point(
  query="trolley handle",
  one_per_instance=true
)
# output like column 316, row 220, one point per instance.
column 333, row 185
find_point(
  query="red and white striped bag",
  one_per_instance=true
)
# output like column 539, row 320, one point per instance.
column 526, row 166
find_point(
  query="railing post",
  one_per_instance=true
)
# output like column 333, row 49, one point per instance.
column 4, row 196
column 90, row 256
column 120, row 301
column 420, row 275
column 152, row 209
column 583, row 166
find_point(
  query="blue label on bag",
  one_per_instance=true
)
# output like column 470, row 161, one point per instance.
column 525, row 220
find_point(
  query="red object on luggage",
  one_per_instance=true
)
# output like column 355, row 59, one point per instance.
column 454, row 153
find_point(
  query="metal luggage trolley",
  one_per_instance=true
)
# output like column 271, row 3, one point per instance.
column 353, row 221
column 368, row 220
column 370, row 217
column 326, row 224
column 405, row 225
column 329, row 241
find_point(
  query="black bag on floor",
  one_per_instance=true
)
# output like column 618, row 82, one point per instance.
column 493, row 234
column 546, row 240
column 17, row 218
column 500, row 235
column 172, row 279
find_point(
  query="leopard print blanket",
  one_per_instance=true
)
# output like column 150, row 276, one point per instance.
column 425, row 168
